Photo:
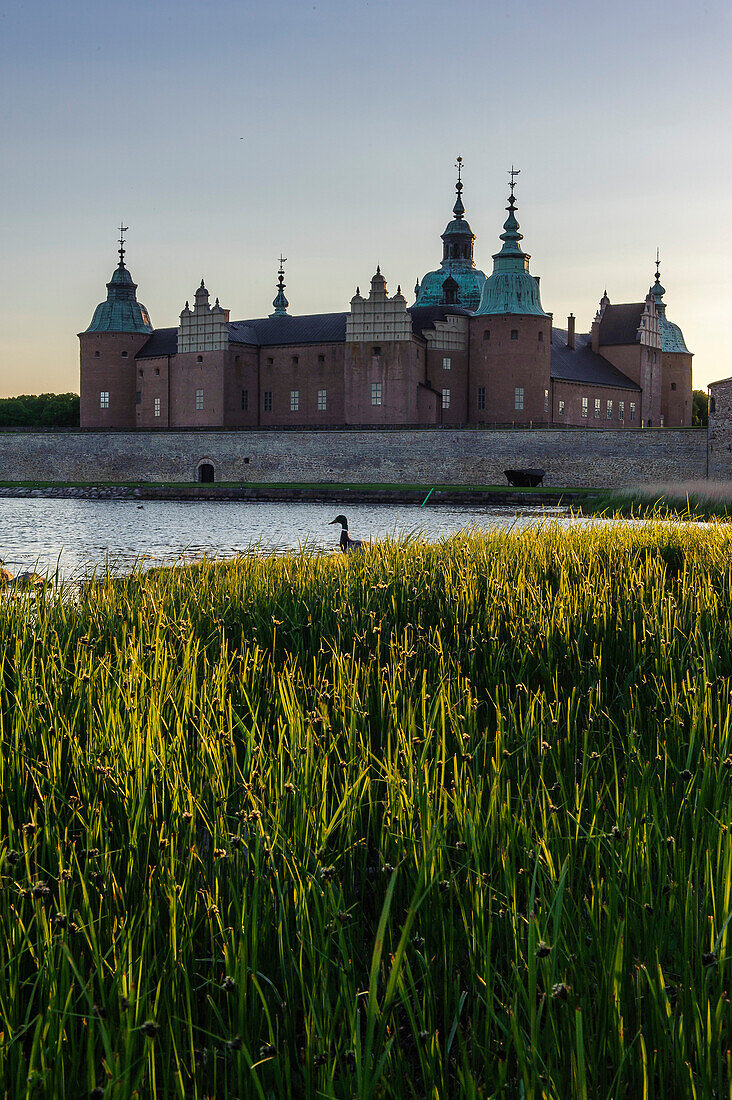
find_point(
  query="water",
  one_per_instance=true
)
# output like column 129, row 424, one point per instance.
column 79, row 536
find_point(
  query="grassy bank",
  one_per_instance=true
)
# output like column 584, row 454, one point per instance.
column 429, row 821
column 688, row 500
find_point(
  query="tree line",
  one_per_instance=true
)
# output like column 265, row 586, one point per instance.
column 42, row 410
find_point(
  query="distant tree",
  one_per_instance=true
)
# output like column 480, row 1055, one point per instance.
column 44, row 410
column 700, row 409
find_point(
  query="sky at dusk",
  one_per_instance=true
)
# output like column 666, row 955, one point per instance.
column 223, row 133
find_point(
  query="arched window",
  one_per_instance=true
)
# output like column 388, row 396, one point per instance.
column 486, row 334
column 514, row 334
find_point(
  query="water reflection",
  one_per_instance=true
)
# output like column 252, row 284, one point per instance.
column 78, row 536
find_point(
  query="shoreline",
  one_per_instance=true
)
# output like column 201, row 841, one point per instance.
column 306, row 493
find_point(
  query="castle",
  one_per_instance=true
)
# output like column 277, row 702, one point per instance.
column 470, row 351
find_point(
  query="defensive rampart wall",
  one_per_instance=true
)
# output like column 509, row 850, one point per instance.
column 571, row 457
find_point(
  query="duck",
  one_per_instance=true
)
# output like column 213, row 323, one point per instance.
column 347, row 544
column 5, row 576
column 27, row 580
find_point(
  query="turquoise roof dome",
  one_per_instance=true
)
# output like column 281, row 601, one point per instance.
column 511, row 288
column 672, row 338
column 121, row 312
column 457, row 280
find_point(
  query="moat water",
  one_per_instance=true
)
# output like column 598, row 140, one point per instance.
column 77, row 537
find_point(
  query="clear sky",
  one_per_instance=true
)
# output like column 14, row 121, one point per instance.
column 225, row 131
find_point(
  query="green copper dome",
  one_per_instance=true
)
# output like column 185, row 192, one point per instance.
column 457, row 281
column 672, row 338
column 511, row 288
column 121, row 312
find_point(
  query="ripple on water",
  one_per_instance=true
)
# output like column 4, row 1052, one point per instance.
column 80, row 536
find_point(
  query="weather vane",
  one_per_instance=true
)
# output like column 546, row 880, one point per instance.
column 122, row 230
column 283, row 260
column 658, row 264
column 513, row 173
column 459, row 166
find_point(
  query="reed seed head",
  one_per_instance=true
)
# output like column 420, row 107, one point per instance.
column 542, row 950
column 150, row 1029
column 228, row 985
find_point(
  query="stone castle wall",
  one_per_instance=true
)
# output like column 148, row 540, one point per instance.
column 599, row 458
column 720, row 430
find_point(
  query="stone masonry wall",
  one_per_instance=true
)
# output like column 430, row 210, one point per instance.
column 572, row 457
column 720, row 430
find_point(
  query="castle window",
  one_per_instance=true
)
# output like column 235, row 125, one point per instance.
column 199, row 358
column 245, row 400
column 541, row 337
column 376, row 393
column 518, row 397
column 585, row 404
column 268, row 401
column 124, row 354
column 514, row 334
column 157, row 406
column 546, row 401
column 295, row 360
column 561, row 408
column 712, row 404
column 376, row 351
column 609, row 413
column 486, row 334
column 446, row 399
column 632, row 410
column 138, row 397
column 621, row 410
column 321, row 358
column 157, row 372
column 96, row 354
column 447, row 364
column 597, row 408
column 270, row 362
column 481, row 397
column 104, row 399
column 237, row 358
column 673, row 385
column 294, row 400
column 199, row 400
column 140, row 373
column 322, row 400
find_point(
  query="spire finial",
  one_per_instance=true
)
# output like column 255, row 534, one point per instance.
column 280, row 303
column 658, row 265
column 458, row 209
column 122, row 230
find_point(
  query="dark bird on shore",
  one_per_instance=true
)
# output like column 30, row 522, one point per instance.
column 348, row 545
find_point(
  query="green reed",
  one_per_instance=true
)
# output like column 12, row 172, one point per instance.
column 429, row 821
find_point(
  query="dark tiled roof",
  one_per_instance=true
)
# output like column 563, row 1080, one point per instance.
column 583, row 365
column 164, row 341
column 425, row 316
column 620, row 324
column 317, row 328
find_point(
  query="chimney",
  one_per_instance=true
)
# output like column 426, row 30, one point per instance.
column 570, row 332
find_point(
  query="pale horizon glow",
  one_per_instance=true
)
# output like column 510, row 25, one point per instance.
column 225, row 133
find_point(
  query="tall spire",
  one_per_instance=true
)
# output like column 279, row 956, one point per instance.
column 511, row 288
column 511, row 235
column 458, row 209
column 280, row 303
column 122, row 230
column 657, row 290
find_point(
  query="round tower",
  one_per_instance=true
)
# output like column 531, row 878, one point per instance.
column 118, row 329
column 510, row 338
